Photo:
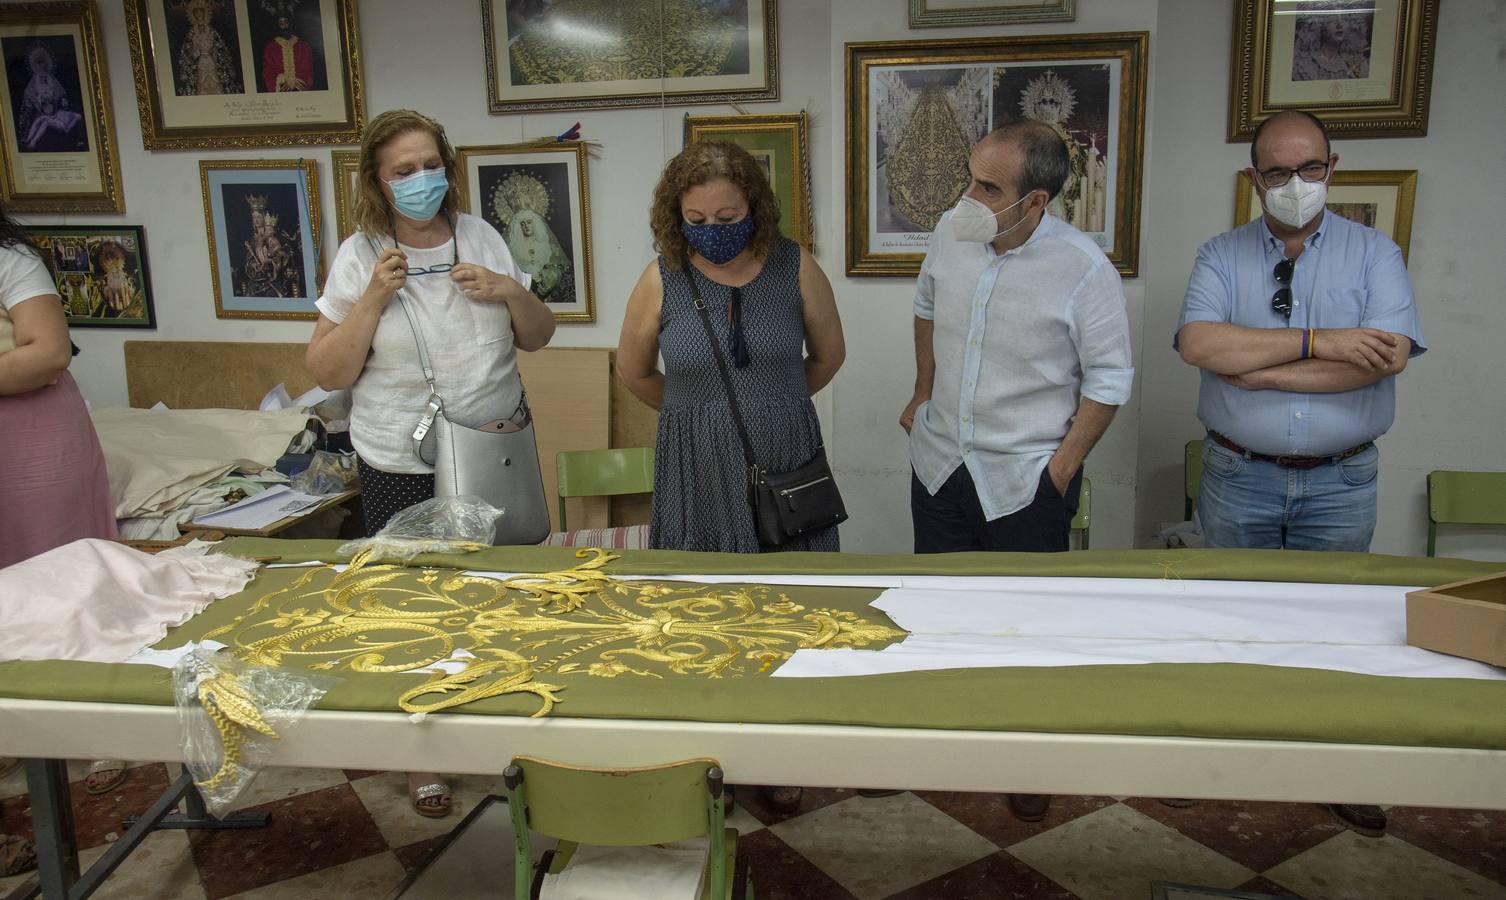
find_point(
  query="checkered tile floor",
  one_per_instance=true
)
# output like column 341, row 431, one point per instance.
column 351, row 834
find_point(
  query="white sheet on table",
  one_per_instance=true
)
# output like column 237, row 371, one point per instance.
column 1106, row 621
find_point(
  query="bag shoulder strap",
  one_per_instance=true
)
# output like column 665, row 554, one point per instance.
column 721, row 367
column 436, row 403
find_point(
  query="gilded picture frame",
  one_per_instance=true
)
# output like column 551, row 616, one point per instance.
column 246, row 73
column 641, row 53
column 1380, row 198
column 781, row 144
column 261, row 266
column 538, row 199
column 58, row 151
column 101, row 273
column 949, row 13
column 1089, row 87
column 345, row 167
column 1365, row 67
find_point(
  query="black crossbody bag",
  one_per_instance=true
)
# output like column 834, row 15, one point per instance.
column 786, row 505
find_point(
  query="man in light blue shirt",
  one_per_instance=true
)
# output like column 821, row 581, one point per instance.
column 1027, row 315
column 1300, row 322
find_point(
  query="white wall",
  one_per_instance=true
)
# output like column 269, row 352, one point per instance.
column 1451, row 405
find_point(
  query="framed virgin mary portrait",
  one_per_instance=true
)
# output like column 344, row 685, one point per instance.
column 779, row 143
column 592, row 54
column 916, row 108
column 538, row 199
column 57, row 140
column 246, row 73
column 1382, row 199
column 1365, row 67
column 261, row 217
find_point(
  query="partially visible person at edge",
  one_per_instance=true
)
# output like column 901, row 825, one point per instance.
column 1300, row 322
column 1022, row 358
column 54, row 489
column 473, row 307
column 715, row 220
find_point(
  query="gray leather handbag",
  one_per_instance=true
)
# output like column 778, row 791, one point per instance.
column 498, row 463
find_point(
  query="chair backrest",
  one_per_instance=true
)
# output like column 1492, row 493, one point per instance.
column 1083, row 518
column 1464, row 498
column 602, row 473
column 1192, row 476
column 618, row 807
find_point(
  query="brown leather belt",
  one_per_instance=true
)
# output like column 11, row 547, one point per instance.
column 1290, row 462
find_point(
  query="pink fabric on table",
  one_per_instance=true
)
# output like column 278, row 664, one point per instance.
column 53, row 484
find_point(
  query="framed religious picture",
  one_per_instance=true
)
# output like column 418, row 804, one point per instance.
column 345, row 165
column 915, row 109
column 946, row 13
column 780, row 144
column 100, row 272
column 1365, row 67
column 262, row 219
column 57, row 140
column 538, row 200
column 1380, row 198
column 246, row 73
column 639, row 52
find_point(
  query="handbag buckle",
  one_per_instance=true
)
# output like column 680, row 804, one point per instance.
column 427, row 422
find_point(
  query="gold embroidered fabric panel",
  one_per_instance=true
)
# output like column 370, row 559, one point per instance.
column 383, row 618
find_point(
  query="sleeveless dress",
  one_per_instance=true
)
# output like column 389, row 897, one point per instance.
column 700, row 477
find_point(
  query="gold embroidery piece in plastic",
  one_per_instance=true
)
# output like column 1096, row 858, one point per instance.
column 233, row 710
column 383, row 618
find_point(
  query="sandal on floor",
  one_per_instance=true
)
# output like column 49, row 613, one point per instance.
column 429, row 792
column 8, row 764
column 106, row 783
column 17, row 855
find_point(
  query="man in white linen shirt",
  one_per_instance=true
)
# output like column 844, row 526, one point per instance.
column 1027, row 315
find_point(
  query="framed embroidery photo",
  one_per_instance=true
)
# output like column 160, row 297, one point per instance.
column 780, row 143
column 262, row 220
column 100, row 272
column 345, row 166
column 916, row 108
column 57, row 140
column 946, row 13
column 538, row 199
column 246, row 73
column 591, row 54
column 1381, row 198
column 1365, row 67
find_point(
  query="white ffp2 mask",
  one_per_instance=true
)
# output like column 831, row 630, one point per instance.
column 974, row 222
column 1297, row 202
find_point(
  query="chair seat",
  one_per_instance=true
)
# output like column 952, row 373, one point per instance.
column 626, row 871
column 623, row 537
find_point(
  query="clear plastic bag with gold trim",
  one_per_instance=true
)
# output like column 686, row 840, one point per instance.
column 439, row 525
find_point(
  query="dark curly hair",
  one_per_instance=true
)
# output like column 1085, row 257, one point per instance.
column 696, row 165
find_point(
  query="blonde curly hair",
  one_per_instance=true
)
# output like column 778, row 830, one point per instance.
column 696, row 165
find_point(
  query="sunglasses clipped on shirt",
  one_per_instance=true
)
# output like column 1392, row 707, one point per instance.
column 1281, row 301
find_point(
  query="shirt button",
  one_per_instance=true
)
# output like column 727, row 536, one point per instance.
column 1299, row 415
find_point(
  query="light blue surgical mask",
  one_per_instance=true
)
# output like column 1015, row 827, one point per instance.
column 419, row 196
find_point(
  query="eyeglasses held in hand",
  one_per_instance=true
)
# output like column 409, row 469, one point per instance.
column 1281, row 301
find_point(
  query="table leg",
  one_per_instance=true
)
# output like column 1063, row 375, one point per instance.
column 52, row 826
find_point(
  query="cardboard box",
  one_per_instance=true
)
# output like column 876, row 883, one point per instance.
column 1466, row 618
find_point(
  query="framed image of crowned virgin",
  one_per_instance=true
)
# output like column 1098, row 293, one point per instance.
column 262, row 221
column 246, row 73
column 539, row 200
column 916, row 108
column 1365, row 67
column 590, row 54
column 57, row 140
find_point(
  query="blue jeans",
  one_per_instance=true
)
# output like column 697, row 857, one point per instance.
column 1253, row 504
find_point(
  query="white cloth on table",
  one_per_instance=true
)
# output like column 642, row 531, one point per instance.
column 99, row 601
column 157, row 458
column 958, row 623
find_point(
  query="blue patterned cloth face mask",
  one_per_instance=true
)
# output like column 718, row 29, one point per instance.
column 419, row 196
column 719, row 243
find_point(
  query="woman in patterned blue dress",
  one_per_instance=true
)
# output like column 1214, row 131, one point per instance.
column 715, row 219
